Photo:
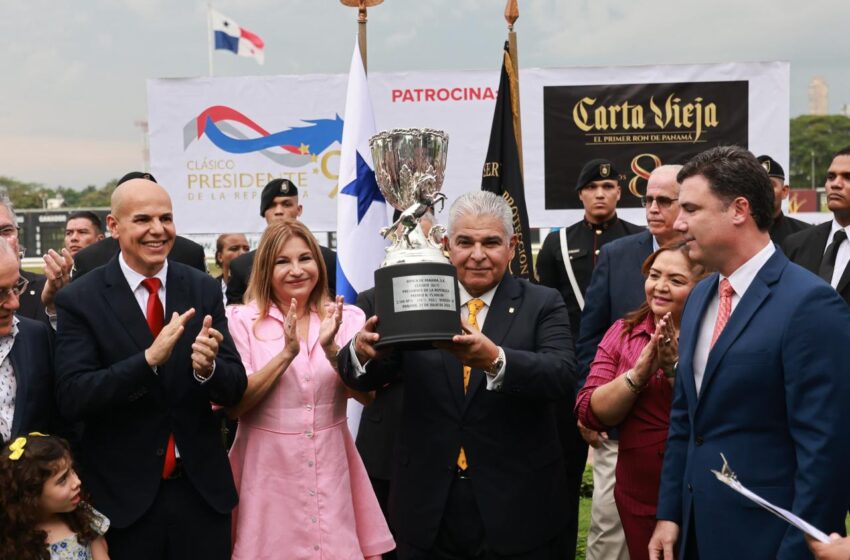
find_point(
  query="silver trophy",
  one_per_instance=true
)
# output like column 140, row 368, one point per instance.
column 415, row 277
column 409, row 167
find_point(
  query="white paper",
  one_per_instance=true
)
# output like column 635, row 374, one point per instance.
column 789, row 517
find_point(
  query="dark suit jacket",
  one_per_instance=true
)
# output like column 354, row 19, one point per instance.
column 98, row 254
column 806, row 248
column 103, row 379
column 240, row 273
column 783, row 226
column 616, row 288
column 31, row 306
column 32, row 360
column 773, row 400
column 380, row 420
column 584, row 245
column 510, row 436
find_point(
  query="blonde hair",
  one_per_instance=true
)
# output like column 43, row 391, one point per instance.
column 260, row 289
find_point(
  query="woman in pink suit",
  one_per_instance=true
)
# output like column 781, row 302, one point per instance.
column 630, row 387
column 303, row 490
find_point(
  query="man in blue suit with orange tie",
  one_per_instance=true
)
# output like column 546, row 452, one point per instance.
column 762, row 378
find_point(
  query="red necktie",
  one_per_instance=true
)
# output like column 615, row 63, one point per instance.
column 156, row 320
column 725, row 309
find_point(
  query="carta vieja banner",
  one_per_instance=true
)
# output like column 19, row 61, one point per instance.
column 638, row 127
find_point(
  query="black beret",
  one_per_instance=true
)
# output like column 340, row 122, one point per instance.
column 772, row 167
column 596, row 170
column 136, row 175
column 275, row 188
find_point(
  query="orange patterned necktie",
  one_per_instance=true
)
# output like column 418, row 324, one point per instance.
column 724, row 311
column 474, row 305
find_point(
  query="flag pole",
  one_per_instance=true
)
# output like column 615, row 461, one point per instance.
column 361, row 6
column 511, row 15
column 209, row 37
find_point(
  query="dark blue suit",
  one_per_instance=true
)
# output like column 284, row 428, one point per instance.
column 102, row 379
column 616, row 288
column 32, row 360
column 510, row 436
column 774, row 400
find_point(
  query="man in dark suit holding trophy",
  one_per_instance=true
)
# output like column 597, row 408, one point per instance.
column 478, row 470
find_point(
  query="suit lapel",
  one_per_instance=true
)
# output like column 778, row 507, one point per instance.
column 454, row 377
column 751, row 301
column 812, row 255
column 176, row 293
column 500, row 316
column 645, row 245
column 19, row 351
column 123, row 303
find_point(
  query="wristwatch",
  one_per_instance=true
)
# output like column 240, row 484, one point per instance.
column 497, row 364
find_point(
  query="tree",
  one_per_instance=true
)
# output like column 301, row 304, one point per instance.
column 30, row 195
column 815, row 137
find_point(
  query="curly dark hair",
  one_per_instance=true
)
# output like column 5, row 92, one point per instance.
column 21, row 485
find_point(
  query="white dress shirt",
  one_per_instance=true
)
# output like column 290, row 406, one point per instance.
column 843, row 255
column 740, row 281
column 134, row 279
column 8, row 383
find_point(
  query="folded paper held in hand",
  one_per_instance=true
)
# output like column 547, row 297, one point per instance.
column 727, row 477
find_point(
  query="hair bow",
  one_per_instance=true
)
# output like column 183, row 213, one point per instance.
column 17, row 446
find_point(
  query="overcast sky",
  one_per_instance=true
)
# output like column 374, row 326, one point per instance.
column 72, row 74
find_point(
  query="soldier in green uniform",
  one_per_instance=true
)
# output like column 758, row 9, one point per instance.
column 598, row 187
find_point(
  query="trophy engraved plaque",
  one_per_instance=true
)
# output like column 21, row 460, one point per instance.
column 416, row 292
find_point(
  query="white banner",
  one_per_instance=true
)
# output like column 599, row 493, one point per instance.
column 215, row 142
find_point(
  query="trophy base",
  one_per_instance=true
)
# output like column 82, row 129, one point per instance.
column 417, row 304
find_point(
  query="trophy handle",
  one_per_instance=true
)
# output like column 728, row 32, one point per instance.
column 437, row 233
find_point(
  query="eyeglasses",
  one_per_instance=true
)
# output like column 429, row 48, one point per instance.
column 9, row 231
column 662, row 201
column 16, row 290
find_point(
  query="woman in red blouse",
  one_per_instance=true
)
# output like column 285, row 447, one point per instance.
column 630, row 387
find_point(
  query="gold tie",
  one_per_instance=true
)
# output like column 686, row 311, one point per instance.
column 474, row 305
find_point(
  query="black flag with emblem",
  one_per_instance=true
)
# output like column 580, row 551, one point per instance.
column 503, row 169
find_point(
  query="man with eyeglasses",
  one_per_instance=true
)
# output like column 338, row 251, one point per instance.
column 30, row 304
column 26, row 358
column 615, row 289
column 598, row 188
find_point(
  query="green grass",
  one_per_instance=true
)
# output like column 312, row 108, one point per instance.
column 583, row 524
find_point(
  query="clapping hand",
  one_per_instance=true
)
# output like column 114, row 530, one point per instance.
column 205, row 348
column 290, row 330
column 163, row 344
column 330, row 325
column 57, row 268
column 668, row 342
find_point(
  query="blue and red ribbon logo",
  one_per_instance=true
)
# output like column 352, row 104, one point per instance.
column 293, row 147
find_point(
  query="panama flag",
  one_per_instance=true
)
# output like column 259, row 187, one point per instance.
column 229, row 36
column 361, row 209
